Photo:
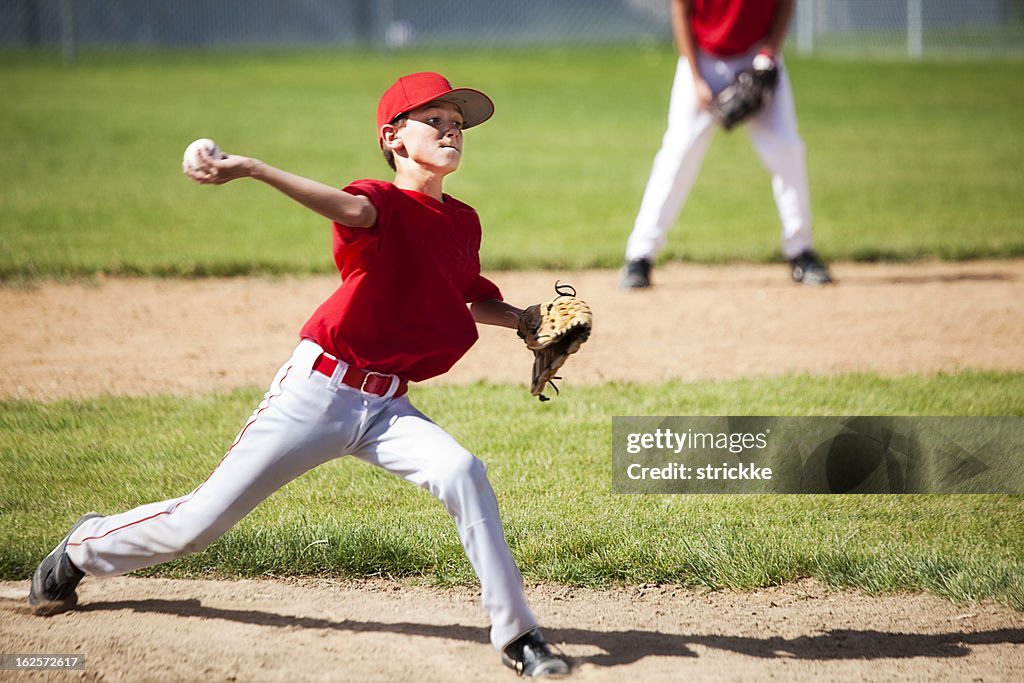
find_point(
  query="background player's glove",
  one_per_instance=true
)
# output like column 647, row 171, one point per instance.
column 747, row 94
column 554, row 330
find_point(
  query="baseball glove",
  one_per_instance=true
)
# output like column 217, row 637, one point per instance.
column 554, row 330
column 747, row 94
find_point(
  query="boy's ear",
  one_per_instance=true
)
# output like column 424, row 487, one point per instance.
column 389, row 137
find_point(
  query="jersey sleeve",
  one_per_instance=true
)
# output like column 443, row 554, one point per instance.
column 354, row 248
column 483, row 289
column 372, row 191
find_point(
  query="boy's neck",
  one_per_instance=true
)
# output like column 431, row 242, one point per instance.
column 420, row 180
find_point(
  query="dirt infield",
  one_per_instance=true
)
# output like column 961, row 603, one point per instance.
column 137, row 337
column 152, row 629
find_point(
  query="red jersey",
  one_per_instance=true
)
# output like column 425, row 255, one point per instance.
column 401, row 307
column 731, row 27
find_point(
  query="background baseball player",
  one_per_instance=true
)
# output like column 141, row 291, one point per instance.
column 716, row 40
column 409, row 260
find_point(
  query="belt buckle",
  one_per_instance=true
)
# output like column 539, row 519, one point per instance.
column 391, row 383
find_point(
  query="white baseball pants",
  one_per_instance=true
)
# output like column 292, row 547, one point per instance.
column 304, row 420
column 773, row 132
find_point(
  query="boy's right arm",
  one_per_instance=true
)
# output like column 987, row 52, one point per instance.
column 337, row 205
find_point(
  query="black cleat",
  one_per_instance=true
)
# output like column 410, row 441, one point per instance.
column 809, row 270
column 528, row 655
column 55, row 580
column 637, row 274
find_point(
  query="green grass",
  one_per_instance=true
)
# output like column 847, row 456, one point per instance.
column 553, row 479
column 907, row 160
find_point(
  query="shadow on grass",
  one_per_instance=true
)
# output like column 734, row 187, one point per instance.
column 621, row 647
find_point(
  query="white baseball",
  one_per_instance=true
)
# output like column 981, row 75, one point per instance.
column 192, row 152
column 763, row 63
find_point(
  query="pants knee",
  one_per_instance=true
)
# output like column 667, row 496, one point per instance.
column 462, row 472
column 781, row 151
column 466, row 467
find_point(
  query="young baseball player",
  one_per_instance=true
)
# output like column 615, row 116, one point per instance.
column 716, row 40
column 409, row 261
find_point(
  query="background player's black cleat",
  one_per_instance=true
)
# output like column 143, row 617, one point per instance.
column 528, row 655
column 637, row 274
column 55, row 580
column 809, row 270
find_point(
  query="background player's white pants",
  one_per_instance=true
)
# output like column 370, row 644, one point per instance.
column 304, row 420
column 774, row 135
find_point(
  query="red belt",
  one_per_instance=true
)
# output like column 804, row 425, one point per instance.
column 369, row 382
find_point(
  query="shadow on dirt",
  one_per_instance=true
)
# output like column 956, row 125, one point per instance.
column 621, row 647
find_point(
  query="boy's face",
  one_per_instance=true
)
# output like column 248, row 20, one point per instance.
column 432, row 136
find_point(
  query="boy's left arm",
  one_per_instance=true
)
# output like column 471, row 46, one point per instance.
column 495, row 312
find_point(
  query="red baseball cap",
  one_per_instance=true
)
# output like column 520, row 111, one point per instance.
column 415, row 90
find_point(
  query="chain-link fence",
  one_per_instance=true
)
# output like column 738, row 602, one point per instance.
column 911, row 27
